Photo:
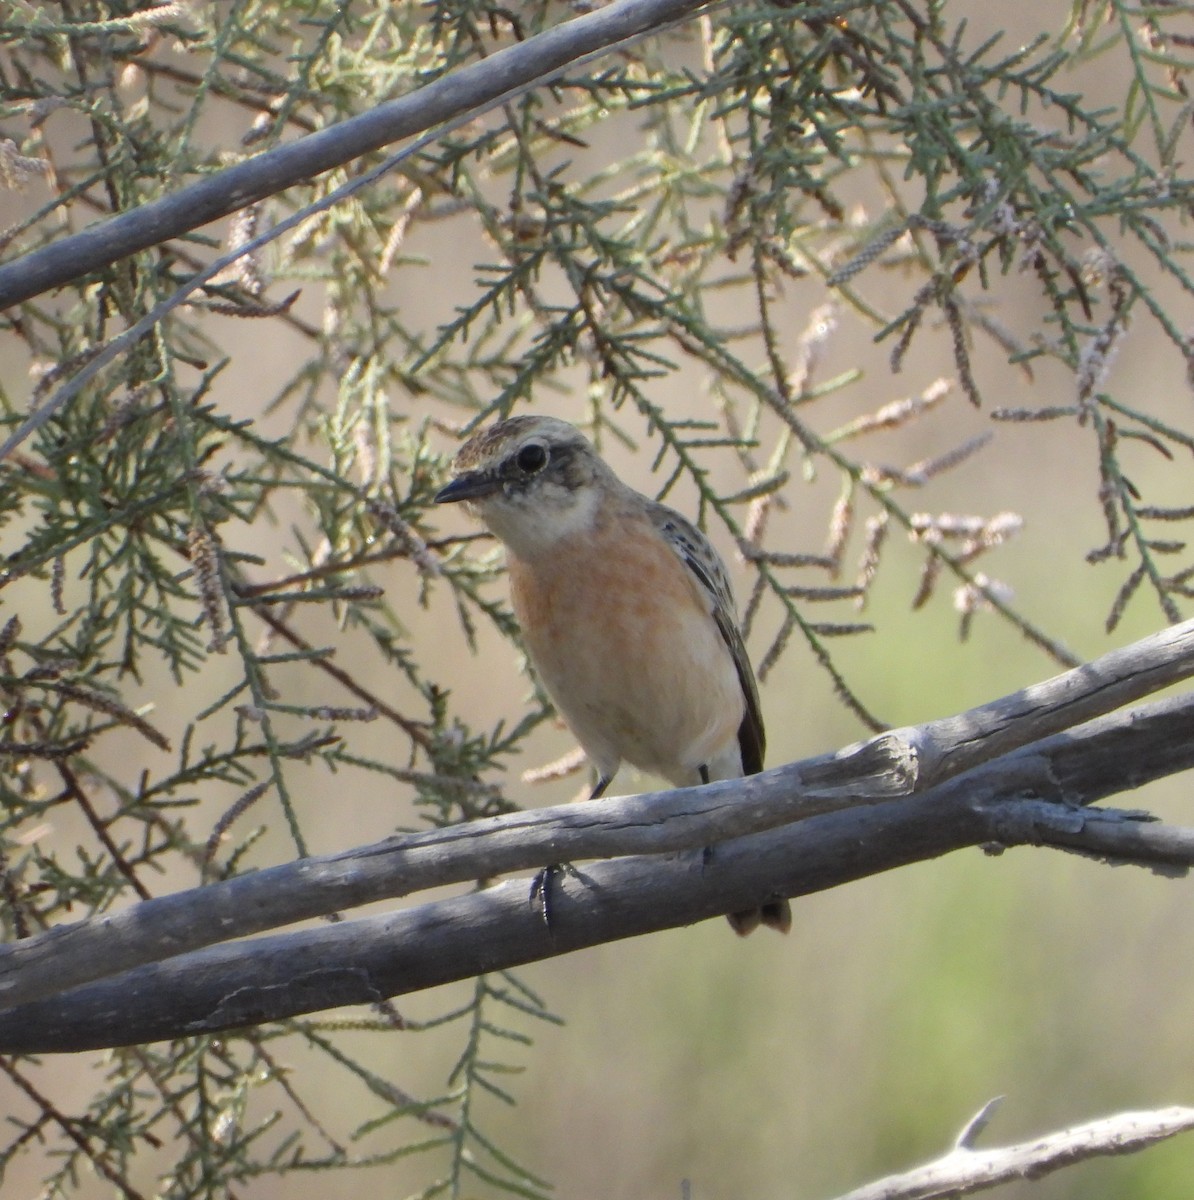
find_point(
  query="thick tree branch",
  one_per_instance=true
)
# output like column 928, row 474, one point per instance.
column 366, row 960
column 654, row 823
column 965, row 1170
column 954, row 744
column 883, row 769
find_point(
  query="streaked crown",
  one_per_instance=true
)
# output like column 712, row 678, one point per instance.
column 491, row 445
column 531, row 479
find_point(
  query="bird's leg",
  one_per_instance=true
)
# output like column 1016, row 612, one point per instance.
column 541, row 884
column 707, row 851
column 541, row 888
column 541, row 893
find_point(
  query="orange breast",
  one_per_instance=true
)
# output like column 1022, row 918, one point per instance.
column 623, row 640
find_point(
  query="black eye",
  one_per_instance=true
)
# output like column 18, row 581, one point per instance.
column 531, row 458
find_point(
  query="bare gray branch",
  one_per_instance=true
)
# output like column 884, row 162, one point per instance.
column 965, row 1170
column 1029, row 797
column 885, row 768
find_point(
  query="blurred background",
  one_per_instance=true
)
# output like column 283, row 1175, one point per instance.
column 898, row 1006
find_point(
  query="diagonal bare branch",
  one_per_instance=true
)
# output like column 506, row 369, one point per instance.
column 482, row 84
column 964, row 1170
column 441, row 107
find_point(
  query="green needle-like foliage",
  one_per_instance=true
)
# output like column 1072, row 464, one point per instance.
column 221, row 562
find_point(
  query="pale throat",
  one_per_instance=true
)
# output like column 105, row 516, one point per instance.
column 535, row 524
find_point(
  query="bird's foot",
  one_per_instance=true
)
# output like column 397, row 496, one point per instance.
column 542, row 886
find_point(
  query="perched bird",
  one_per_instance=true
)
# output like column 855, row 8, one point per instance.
column 626, row 612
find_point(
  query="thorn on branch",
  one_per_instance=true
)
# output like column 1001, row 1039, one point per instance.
column 973, row 1129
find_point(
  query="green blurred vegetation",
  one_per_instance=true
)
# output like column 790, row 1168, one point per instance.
column 709, row 249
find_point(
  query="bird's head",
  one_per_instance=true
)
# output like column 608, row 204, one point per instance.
column 532, row 480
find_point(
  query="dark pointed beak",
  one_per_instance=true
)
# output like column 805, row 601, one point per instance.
column 472, row 485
